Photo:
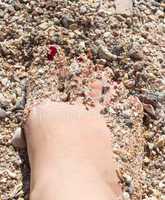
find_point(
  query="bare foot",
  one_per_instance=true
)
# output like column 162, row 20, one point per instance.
column 70, row 152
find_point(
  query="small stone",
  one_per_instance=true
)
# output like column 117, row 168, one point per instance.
column 155, row 4
column 162, row 197
column 146, row 161
column 136, row 55
column 17, row 6
column 161, row 141
column 149, row 135
column 128, row 179
column 156, row 194
column 151, row 146
column 1, row 13
column 120, row 18
column 20, row 198
column 128, row 123
column 11, row 174
column 107, row 34
column 124, row 7
column 126, row 196
column 129, row 21
column 56, row 21
column 67, row 21
column 101, row 61
column 44, row 25
column 129, row 83
column 162, row 5
column 18, row 140
column 152, row 198
column 4, row 82
column 20, row 103
column 130, row 189
column 64, row 97
column 147, row 11
column 110, row 110
column 160, row 14
column 161, row 185
column 75, row 68
column 82, row 45
column 160, row 96
column 148, row 108
column 11, row 9
column 13, row 99
column 3, row 114
column 118, row 50
column 106, row 54
column 149, row 98
column 83, row 10
column 73, row 26
column 3, row 100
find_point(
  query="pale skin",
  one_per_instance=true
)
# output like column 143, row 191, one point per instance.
column 70, row 153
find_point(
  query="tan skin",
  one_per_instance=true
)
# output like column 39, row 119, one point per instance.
column 70, row 154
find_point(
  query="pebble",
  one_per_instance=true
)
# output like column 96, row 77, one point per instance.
column 126, row 196
column 3, row 101
column 82, row 45
column 128, row 179
column 136, row 55
column 106, row 54
column 146, row 160
column 161, row 141
column 160, row 14
column 162, row 5
column 1, row 13
column 75, row 68
column 3, row 114
column 18, row 140
column 44, row 25
column 161, row 185
column 160, row 96
column 56, row 21
column 124, row 8
column 20, row 103
column 83, row 10
column 151, row 146
column 150, row 110
column 149, row 98
column 11, row 174
column 5, row 82
column 129, row 84
column 67, row 21
column 107, row 34
column 64, row 97
column 130, row 189
column 148, row 135
column 162, row 197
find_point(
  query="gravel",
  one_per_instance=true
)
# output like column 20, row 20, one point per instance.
column 94, row 41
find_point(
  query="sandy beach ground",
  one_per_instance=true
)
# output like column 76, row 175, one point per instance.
column 56, row 49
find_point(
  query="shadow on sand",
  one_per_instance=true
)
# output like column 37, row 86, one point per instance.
column 25, row 170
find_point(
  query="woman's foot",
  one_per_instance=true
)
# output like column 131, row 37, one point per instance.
column 70, row 151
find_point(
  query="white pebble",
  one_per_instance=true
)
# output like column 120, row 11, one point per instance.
column 18, row 139
column 126, row 196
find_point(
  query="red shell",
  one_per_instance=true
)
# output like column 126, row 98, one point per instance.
column 52, row 52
